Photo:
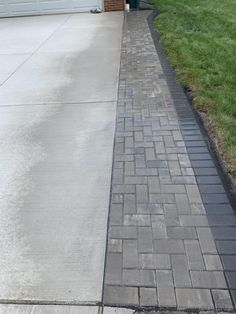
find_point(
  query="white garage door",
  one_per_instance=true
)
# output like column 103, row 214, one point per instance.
column 38, row 7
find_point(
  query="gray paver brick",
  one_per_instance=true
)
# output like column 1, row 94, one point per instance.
column 233, row 294
column 129, row 142
column 141, row 193
column 116, row 211
column 194, row 298
column 177, row 136
column 137, row 220
column 182, row 203
column 148, row 297
column 130, row 254
column 213, row 262
column 193, row 194
column 122, row 232
column 222, row 299
column 215, row 198
column 211, row 188
column 142, row 277
column 207, row 242
column 176, row 188
column 124, row 158
column 138, row 136
column 114, row 268
column 114, row 246
column 117, row 199
column 229, row 262
column 183, row 233
column 162, row 198
column 118, row 165
column 118, row 177
column 158, row 227
column 170, row 210
column 198, row 209
column 129, row 168
column 129, row 204
column 187, row 172
column 135, row 180
column 164, row 278
column 180, row 271
column 164, row 176
column 150, row 154
column 157, row 164
column 193, row 220
column 150, row 208
column 222, row 209
column 154, row 261
column 118, row 295
column 205, row 171
column 153, row 185
column 221, row 233
column 208, row 279
column 168, row 246
column 145, row 240
column 174, row 167
column 146, row 172
column 184, row 179
column 123, row 188
column 194, row 255
column 166, row 297
column 160, row 148
column 226, row 247
column 231, row 278
column 184, row 161
column 222, row 220
column 213, row 179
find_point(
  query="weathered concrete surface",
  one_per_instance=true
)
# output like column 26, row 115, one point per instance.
column 47, row 309
column 56, row 156
column 72, row 58
column 65, row 309
column 117, row 310
column 55, row 170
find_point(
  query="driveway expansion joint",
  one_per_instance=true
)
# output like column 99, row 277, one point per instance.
column 168, row 203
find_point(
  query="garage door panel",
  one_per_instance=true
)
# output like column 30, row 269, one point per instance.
column 23, row 7
column 84, row 3
column 54, row 5
column 33, row 7
column 3, row 9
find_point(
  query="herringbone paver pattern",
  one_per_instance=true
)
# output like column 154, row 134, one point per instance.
column 161, row 251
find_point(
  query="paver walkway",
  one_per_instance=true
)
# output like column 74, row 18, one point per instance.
column 172, row 231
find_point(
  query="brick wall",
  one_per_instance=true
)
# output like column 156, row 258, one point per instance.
column 113, row 5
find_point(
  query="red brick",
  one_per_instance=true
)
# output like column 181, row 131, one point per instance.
column 113, row 5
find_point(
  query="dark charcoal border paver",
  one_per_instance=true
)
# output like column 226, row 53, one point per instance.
column 168, row 204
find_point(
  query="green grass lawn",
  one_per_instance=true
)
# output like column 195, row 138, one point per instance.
column 200, row 41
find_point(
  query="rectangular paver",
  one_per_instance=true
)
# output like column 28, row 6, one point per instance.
column 148, row 297
column 194, row 298
column 208, row 279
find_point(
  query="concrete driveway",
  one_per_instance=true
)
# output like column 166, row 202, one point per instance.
column 58, row 92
